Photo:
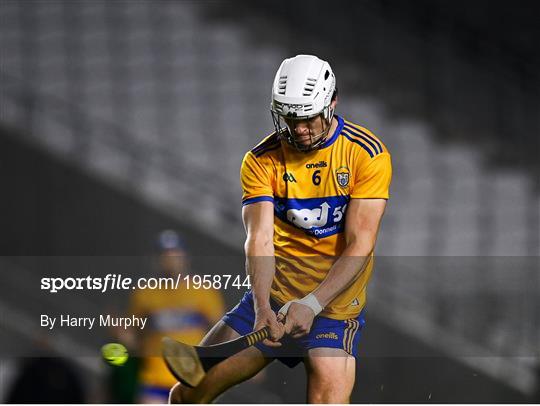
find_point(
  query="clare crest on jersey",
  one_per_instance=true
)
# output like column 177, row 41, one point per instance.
column 342, row 176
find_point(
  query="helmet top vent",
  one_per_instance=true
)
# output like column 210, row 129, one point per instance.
column 282, row 85
column 309, row 86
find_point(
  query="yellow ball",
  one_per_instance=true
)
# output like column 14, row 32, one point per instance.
column 115, row 354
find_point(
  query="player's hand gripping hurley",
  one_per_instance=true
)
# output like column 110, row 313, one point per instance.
column 189, row 363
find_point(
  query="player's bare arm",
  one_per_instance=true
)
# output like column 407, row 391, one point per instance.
column 361, row 228
column 260, row 264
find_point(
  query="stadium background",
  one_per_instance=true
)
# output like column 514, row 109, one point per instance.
column 119, row 119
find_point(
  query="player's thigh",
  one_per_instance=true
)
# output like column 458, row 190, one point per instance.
column 224, row 375
column 220, row 333
column 331, row 375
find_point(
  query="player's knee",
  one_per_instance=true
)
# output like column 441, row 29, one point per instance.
column 328, row 393
column 175, row 394
column 183, row 394
column 331, row 380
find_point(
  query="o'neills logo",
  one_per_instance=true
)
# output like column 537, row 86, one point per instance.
column 331, row 336
column 321, row 164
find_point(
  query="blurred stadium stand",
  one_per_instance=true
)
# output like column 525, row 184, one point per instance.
column 160, row 101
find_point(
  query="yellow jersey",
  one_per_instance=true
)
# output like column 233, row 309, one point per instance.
column 183, row 314
column 310, row 192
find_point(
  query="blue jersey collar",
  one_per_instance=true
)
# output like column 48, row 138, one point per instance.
column 334, row 136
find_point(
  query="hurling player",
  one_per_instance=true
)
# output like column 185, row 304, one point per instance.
column 184, row 314
column 314, row 193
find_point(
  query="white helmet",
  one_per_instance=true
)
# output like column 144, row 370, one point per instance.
column 304, row 87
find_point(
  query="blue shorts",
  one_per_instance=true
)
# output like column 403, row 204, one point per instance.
column 325, row 332
column 155, row 392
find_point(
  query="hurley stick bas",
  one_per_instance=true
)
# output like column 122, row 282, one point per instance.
column 189, row 363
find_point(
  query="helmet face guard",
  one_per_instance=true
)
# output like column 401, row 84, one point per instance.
column 304, row 88
column 285, row 126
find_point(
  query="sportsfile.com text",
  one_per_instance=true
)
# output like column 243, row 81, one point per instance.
column 118, row 282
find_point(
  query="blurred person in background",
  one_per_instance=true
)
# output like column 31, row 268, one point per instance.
column 314, row 193
column 183, row 314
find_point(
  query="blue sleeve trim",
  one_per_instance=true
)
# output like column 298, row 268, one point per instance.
column 258, row 199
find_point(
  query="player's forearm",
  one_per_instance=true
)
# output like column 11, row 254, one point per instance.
column 260, row 266
column 344, row 272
